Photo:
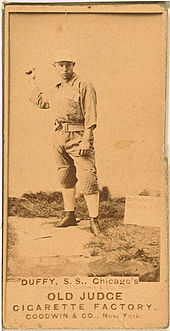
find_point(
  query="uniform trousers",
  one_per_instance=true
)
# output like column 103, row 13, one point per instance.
column 73, row 167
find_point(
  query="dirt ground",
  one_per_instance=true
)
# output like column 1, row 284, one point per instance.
column 125, row 249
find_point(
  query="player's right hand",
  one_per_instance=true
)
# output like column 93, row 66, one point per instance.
column 31, row 74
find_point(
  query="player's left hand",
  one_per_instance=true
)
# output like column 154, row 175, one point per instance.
column 84, row 147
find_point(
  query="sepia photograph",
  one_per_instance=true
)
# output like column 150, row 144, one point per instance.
column 85, row 191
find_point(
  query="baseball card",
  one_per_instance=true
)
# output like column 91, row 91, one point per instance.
column 85, row 171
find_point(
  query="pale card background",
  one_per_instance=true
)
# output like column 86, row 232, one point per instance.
column 123, row 64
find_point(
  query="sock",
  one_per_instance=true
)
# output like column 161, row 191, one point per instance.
column 92, row 201
column 69, row 198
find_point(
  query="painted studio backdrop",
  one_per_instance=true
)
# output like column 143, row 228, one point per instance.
column 122, row 56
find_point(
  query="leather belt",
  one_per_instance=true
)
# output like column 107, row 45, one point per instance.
column 73, row 127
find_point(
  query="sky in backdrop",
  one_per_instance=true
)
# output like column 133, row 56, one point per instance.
column 123, row 56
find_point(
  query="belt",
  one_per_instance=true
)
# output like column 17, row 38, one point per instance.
column 72, row 127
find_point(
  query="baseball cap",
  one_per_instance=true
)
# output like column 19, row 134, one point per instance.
column 64, row 55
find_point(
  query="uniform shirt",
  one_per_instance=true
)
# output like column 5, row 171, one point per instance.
column 72, row 102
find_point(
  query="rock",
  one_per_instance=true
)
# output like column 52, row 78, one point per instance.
column 42, row 249
column 144, row 211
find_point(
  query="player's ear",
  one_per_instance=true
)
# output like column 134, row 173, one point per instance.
column 74, row 64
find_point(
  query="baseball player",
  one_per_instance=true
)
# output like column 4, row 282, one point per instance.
column 73, row 102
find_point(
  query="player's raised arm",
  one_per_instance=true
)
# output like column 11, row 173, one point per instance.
column 37, row 96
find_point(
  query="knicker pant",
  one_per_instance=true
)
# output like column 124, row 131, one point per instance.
column 73, row 167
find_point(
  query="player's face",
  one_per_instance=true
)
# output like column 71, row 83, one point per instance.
column 65, row 69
